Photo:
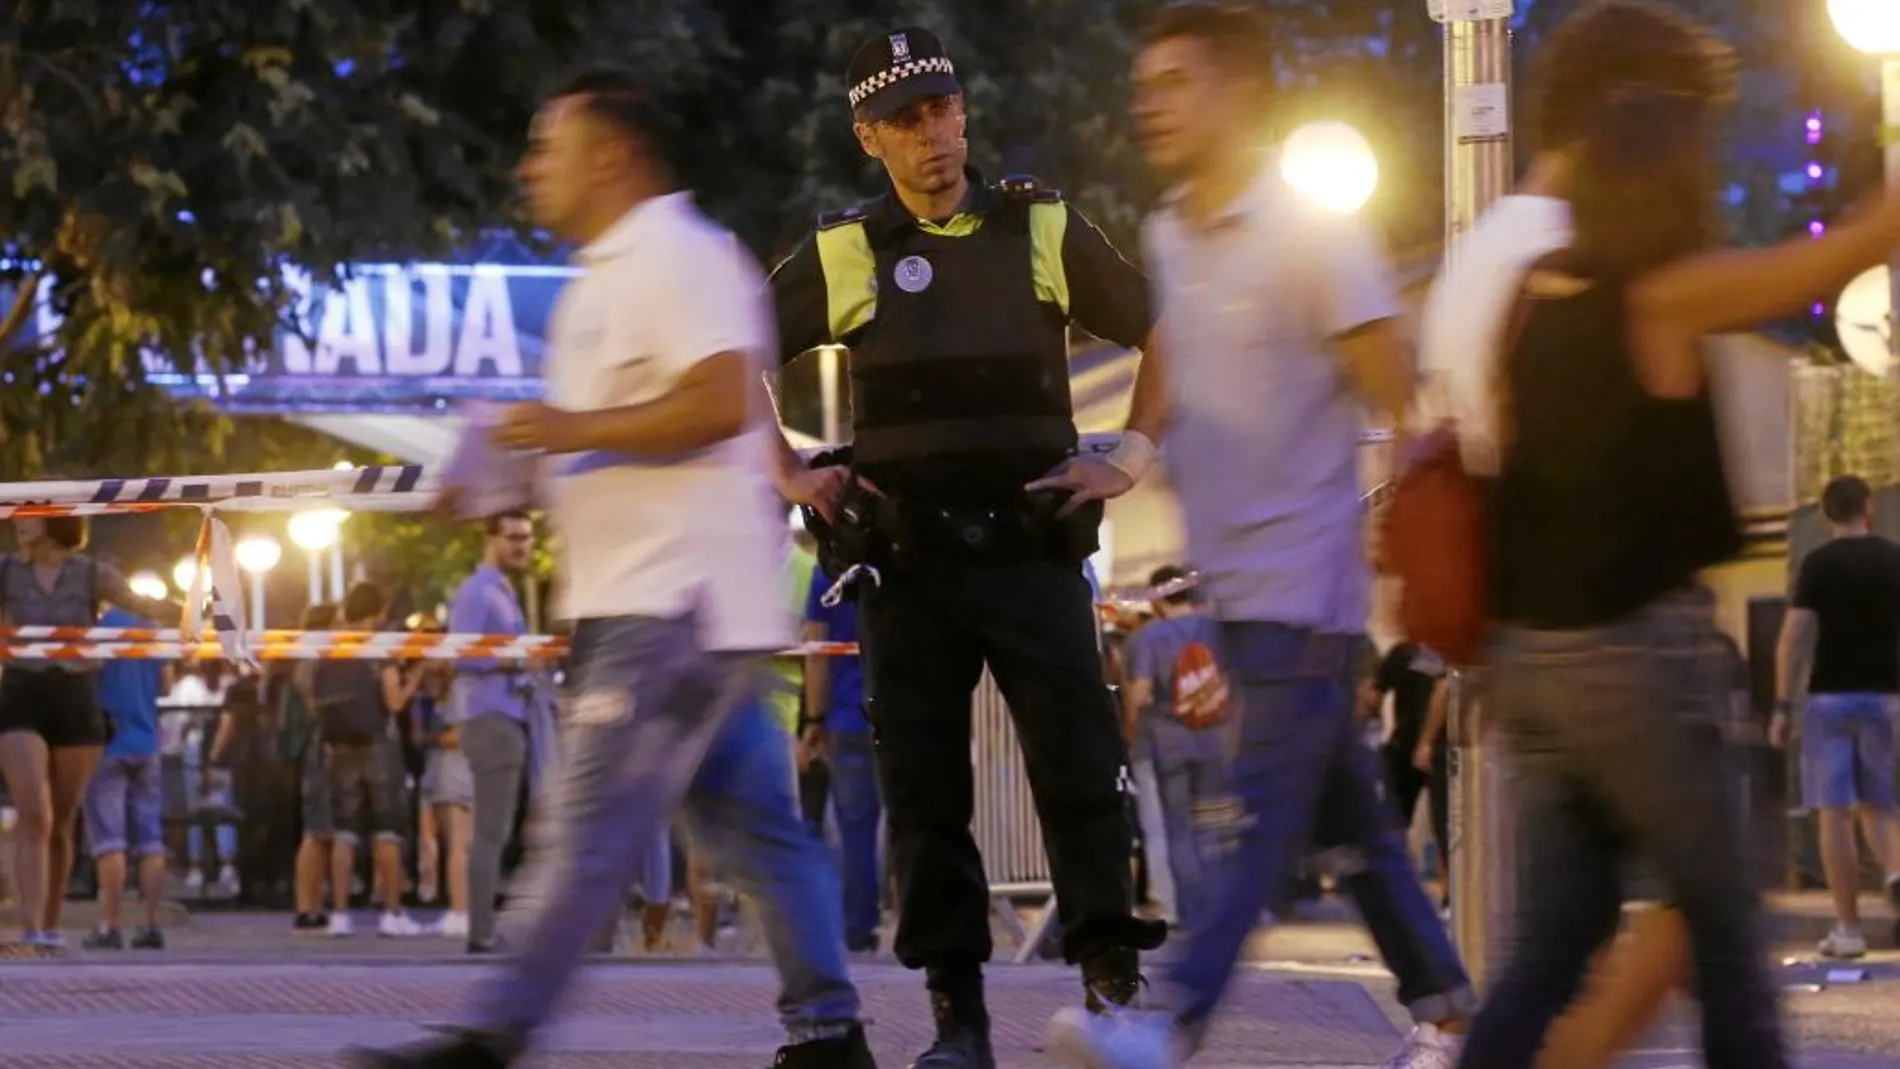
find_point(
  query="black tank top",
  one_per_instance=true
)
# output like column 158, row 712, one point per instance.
column 1608, row 498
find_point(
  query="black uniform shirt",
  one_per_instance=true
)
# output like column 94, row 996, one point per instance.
column 1088, row 282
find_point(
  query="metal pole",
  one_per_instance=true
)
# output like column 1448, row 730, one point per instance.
column 828, row 359
column 314, row 558
column 1890, row 139
column 1478, row 170
column 257, row 600
column 337, row 588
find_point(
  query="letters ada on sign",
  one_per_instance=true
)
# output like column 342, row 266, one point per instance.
column 388, row 336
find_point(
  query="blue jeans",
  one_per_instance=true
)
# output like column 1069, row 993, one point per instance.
column 194, row 835
column 655, row 723
column 854, row 792
column 1192, row 796
column 1304, row 780
column 1617, row 752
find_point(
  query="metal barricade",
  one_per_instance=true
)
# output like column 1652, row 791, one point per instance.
column 1005, row 826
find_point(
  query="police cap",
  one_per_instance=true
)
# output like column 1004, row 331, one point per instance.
column 894, row 70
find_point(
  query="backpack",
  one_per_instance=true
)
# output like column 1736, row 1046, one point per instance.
column 1201, row 697
column 349, row 700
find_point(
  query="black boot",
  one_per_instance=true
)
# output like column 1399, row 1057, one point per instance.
column 848, row 1051
column 963, row 1035
column 457, row 1050
column 1111, row 979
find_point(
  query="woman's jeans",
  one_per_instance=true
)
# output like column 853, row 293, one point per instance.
column 1617, row 753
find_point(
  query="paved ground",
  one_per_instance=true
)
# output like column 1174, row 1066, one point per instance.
column 238, row 991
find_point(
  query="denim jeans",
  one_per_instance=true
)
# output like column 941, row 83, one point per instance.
column 653, row 723
column 854, row 792
column 1192, row 796
column 1616, row 741
column 1304, row 780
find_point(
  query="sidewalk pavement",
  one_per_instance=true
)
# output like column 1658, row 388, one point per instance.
column 239, row 991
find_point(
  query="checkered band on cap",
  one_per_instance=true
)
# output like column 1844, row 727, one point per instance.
column 884, row 79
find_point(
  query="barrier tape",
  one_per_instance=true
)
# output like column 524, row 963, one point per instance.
column 126, row 647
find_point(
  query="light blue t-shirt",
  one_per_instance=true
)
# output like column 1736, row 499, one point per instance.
column 128, row 692
column 1263, row 445
column 1152, row 655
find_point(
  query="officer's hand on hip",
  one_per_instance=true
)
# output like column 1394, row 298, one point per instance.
column 1086, row 479
column 818, row 489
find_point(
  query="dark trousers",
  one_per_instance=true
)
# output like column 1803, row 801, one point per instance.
column 1617, row 750
column 926, row 636
column 1405, row 785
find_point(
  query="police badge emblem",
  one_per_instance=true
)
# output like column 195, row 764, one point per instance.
column 913, row 274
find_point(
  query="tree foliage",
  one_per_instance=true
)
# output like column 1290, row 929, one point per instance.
column 164, row 162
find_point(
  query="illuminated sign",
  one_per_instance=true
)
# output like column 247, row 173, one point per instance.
column 391, row 337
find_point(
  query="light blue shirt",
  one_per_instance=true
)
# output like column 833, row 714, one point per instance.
column 1263, row 445
column 485, row 604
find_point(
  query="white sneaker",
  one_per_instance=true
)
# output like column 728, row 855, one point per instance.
column 452, row 924
column 399, row 926
column 1427, row 1048
column 1843, row 942
column 194, row 880
column 227, row 882
column 1126, row 1039
column 340, row 926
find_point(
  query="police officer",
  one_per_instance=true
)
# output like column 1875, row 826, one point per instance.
column 955, row 297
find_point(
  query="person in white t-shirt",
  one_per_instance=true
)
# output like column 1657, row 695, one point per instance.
column 659, row 478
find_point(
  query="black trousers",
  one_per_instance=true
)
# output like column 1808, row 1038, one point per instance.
column 1405, row 784
column 926, row 636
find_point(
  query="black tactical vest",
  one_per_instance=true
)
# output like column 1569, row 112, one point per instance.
column 960, row 356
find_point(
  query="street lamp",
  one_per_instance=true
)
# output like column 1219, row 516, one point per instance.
column 185, row 573
column 1873, row 27
column 148, row 586
column 258, row 554
column 315, row 531
column 1331, row 164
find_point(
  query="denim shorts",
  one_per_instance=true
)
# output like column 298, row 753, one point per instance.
column 1847, row 751
column 124, row 807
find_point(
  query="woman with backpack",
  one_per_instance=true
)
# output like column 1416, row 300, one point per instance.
column 52, row 731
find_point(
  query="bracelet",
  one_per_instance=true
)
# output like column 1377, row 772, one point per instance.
column 1133, row 455
column 1783, row 706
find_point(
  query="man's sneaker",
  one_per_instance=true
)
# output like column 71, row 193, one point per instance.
column 310, row 923
column 1428, row 1047
column 1133, row 1039
column 340, row 926
column 963, row 1038
column 194, row 880
column 1843, row 942
column 399, row 926
column 453, row 925
column 105, row 939
column 848, row 1051
column 461, row 1050
column 149, row 939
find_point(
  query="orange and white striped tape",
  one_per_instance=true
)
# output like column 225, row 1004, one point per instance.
column 149, row 645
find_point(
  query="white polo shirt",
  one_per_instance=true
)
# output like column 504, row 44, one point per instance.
column 664, row 289
column 1462, row 326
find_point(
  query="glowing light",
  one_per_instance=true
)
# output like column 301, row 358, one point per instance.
column 148, row 585
column 317, row 529
column 1331, row 164
column 1872, row 26
column 184, row 573
column 258, row 554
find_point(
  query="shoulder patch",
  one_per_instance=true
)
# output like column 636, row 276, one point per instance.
column 841, row 217
column 1023, row 187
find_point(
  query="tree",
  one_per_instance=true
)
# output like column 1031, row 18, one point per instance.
column 169, row 162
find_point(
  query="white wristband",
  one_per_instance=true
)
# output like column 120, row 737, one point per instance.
column 1134, row 455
